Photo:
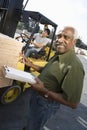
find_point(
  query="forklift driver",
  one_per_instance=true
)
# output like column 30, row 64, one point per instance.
column 38, row 42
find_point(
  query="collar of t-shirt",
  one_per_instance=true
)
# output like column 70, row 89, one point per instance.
column 67, row 56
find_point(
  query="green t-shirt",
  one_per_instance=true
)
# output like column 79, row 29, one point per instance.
column 64, row 74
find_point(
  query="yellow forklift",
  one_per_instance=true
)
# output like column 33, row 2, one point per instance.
column 10, row 15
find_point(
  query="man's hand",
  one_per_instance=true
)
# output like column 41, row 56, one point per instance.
column 25, row 60
column 32, row 42
column 39, row 86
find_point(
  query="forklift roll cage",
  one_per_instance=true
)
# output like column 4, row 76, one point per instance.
column 39, row 18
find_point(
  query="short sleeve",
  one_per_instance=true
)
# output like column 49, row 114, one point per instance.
column 73, row 83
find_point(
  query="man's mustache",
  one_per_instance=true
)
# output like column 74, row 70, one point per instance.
column 57, row 43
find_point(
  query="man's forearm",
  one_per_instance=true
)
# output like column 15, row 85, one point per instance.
column 39, row 87
column 59, row 98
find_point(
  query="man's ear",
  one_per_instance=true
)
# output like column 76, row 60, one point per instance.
column 75, row 41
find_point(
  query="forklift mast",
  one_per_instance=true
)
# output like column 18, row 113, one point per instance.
column 10, row 15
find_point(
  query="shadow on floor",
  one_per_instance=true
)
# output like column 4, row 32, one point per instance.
column 69, row 119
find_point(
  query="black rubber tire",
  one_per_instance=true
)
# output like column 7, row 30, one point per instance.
column 4, row 91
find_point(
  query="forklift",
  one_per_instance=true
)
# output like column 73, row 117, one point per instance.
column 11, row 13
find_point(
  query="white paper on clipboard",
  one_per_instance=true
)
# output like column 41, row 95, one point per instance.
column 19, row 75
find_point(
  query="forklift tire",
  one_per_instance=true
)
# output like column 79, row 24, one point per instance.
column 9, row 94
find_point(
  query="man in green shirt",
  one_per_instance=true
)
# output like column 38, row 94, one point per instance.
column 60, row 81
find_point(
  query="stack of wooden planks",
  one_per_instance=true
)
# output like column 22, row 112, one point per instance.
column 9, row 55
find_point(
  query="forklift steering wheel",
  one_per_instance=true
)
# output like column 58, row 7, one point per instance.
column 22, row 38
